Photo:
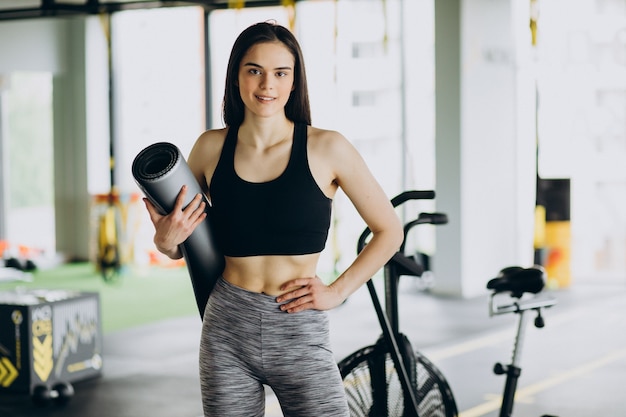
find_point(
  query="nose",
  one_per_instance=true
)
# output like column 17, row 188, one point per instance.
column 266, row 82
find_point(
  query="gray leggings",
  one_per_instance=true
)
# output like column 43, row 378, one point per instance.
column 247, row 341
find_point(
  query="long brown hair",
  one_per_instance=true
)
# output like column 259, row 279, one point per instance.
column 297, row 108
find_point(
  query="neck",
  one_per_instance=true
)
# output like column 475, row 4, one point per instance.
column 265, row 132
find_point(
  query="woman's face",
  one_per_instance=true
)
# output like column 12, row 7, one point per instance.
column 266, row 78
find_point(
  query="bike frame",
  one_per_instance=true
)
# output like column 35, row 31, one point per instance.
column 388, row 318
column 402, row 353
column 513, row 370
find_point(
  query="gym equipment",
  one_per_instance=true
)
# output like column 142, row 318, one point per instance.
column 114, row 223
column 15, row 263
column 48, row 340
column 109, row 262
column 20, row 257
column 61, row 393
column 160, row 170
column 389, row 378
column 514, row 282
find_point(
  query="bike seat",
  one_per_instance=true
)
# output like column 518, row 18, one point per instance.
column 518, row 280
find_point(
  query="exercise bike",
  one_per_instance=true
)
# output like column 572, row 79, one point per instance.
column 390, row 378
column 513, row 283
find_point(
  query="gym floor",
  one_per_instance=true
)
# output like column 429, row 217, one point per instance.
column 574, row 367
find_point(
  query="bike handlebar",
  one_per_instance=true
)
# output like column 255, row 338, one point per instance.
column 423, row 218
column 412, row 195
column 395, row 202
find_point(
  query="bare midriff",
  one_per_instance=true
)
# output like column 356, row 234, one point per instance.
column 266, row 274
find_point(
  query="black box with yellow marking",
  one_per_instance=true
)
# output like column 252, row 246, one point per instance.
column 48, row 336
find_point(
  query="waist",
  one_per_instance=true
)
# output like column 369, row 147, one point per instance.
column 266, row 274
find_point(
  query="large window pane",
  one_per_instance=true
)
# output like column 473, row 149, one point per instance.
column 28, row 162
column 158, row 78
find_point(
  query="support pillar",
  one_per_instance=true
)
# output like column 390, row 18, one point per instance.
column 70, row 147
column 485, row 141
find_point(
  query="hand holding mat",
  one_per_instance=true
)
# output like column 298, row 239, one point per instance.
column 160, row 170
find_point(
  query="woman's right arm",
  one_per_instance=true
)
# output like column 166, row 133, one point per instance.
column 174, row 228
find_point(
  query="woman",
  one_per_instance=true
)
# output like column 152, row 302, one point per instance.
column 271, row 177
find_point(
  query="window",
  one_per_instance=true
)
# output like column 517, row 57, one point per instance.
column 27, row 163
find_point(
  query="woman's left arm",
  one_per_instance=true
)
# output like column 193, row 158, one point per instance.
column 352, row 175
column 373, row 205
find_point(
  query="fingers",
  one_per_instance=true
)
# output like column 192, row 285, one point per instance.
column 301, row 304
column 175, row 227
column 196, row 207
column 194, row 213
column 152, row 210
column 299, row 288
column 310, row 293
column 180, row 199
column 298, row 282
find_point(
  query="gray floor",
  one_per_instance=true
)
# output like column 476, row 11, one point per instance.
column 574, row 367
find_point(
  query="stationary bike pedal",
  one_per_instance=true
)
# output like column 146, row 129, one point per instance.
column 499, row 369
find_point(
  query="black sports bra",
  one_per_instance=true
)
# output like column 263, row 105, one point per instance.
column 289, row 215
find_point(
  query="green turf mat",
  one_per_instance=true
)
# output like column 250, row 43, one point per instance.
column 135, row 297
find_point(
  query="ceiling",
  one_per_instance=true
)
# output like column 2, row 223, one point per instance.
column 27, row 9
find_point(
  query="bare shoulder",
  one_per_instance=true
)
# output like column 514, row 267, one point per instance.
column 329, row 143
column 324, row 135
column 209, row 140
column 208, row 146
column 333, row 159
column 205, row 154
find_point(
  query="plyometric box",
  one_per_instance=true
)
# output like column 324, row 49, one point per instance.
column 48, row 336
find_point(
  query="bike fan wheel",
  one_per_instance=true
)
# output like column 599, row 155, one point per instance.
column 358, row 371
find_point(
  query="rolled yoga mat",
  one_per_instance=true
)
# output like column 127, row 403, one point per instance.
column 160, row 170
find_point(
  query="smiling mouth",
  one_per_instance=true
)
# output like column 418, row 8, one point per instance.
column 263, row 98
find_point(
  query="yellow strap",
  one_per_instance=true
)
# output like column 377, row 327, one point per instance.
column 236, row 4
